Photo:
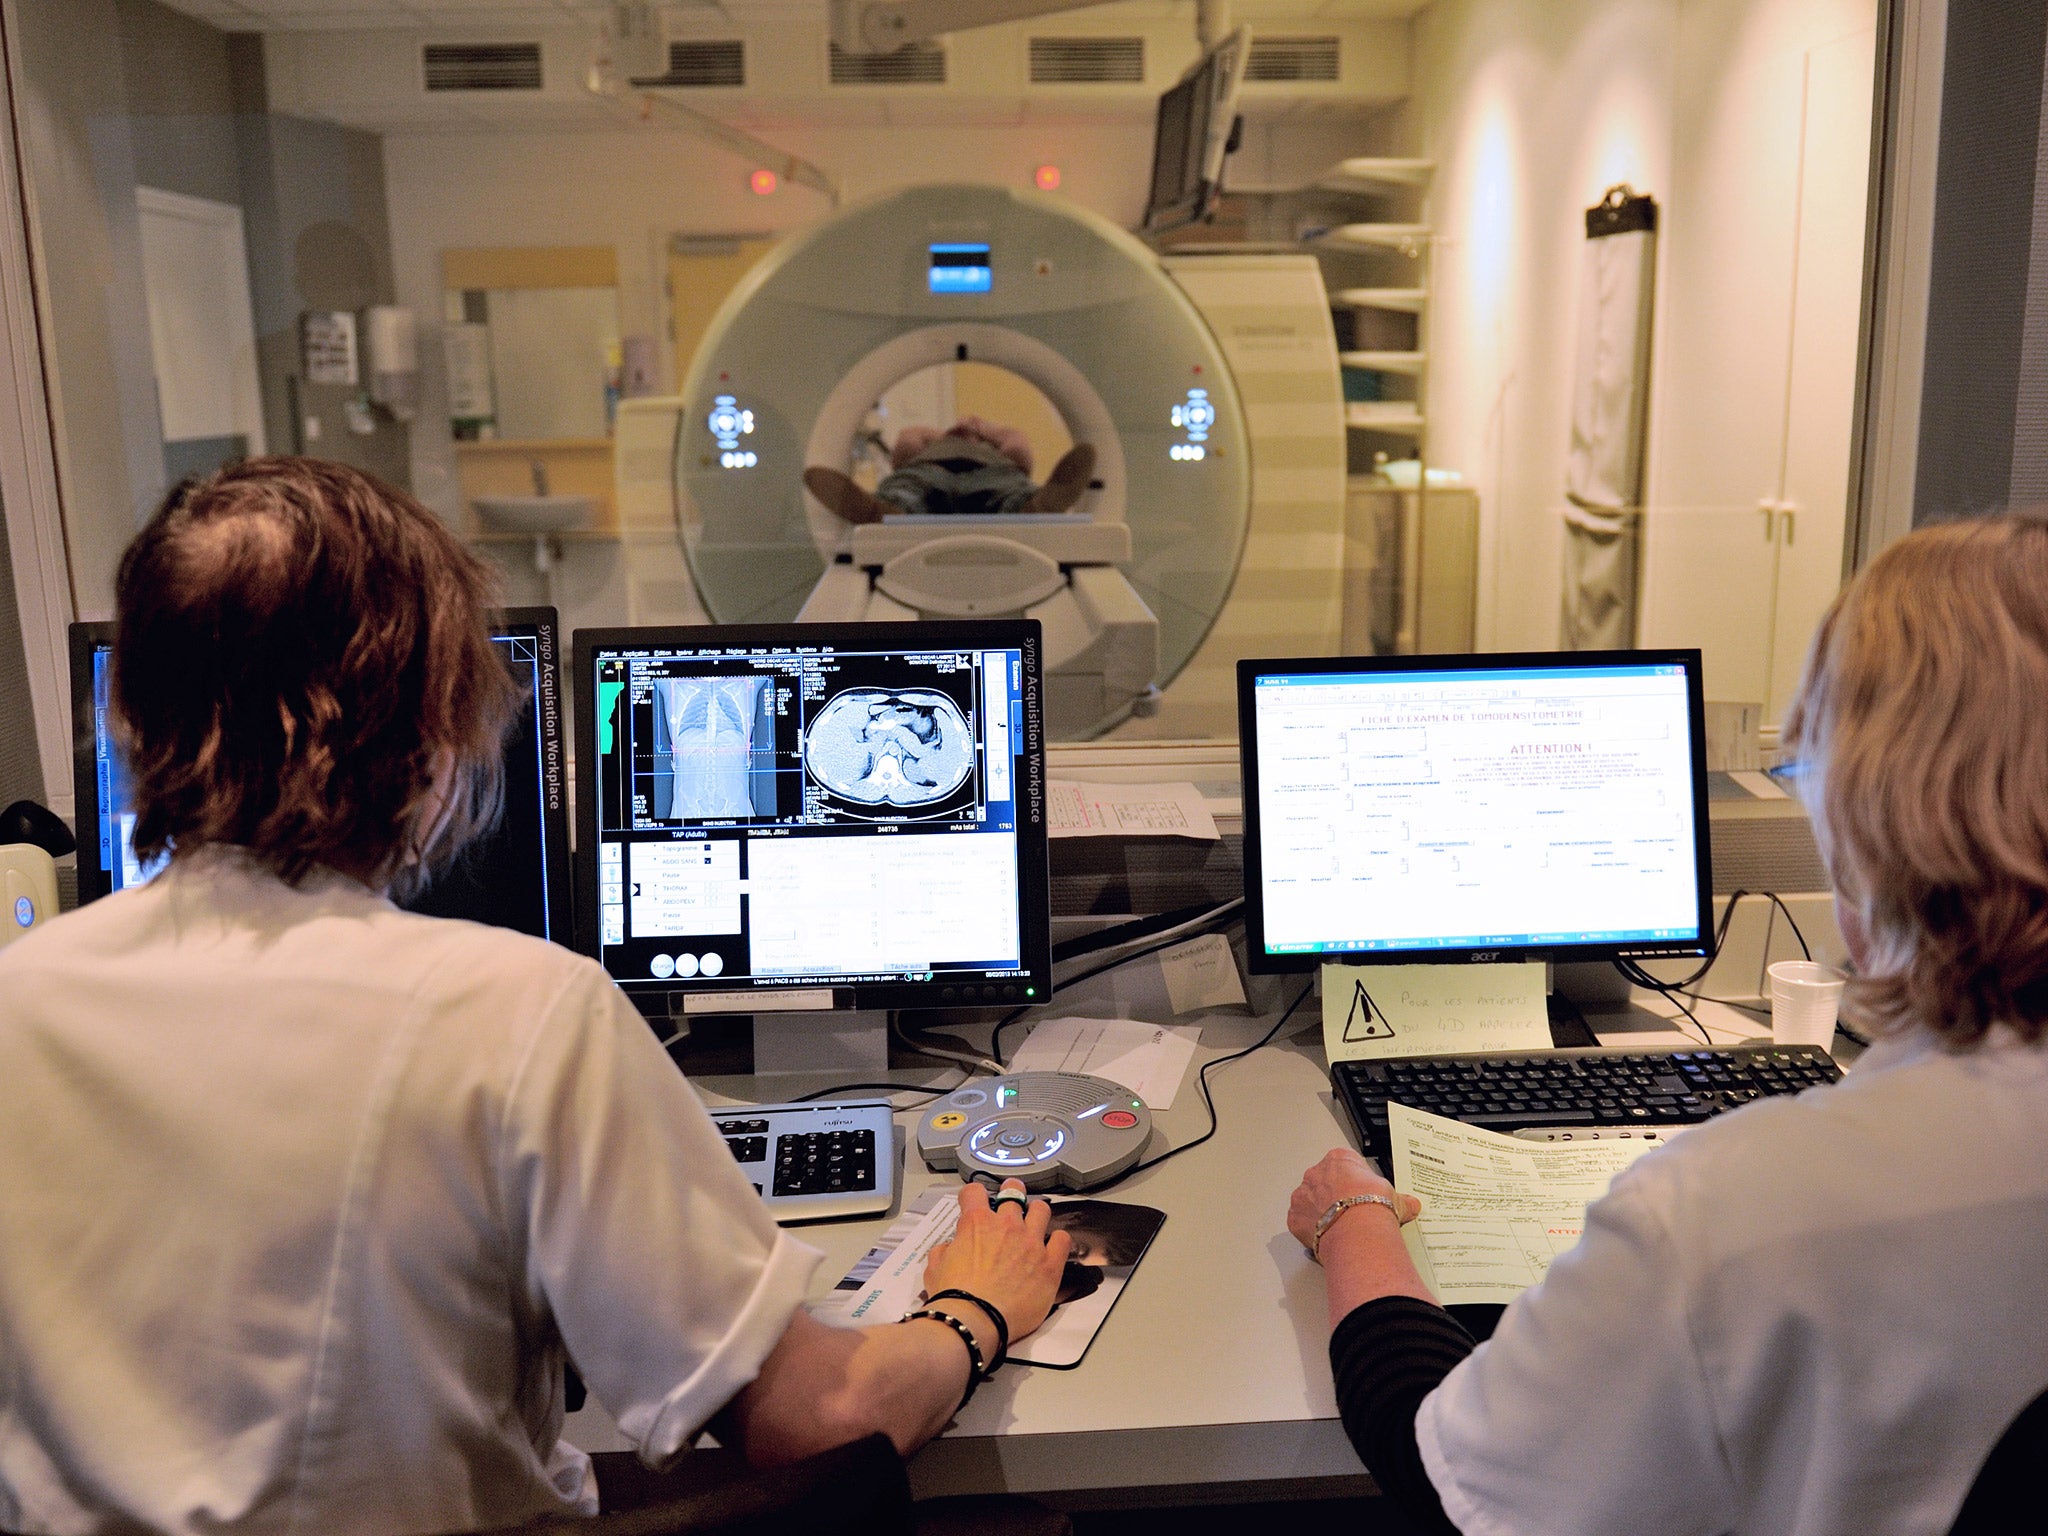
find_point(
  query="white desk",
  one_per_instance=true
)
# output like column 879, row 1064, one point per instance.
column 1212, row 1372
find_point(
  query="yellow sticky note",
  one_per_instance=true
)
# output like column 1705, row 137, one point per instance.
column 1432, row 1010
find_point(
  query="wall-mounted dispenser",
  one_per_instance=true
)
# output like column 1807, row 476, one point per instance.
column 392, row 334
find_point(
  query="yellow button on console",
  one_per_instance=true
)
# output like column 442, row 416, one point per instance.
column 952, row 1119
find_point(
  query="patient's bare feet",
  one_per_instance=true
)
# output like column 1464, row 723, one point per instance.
column 1067, row 483
column 841, row 495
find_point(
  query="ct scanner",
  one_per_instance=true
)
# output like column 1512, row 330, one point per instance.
column 1125, row 586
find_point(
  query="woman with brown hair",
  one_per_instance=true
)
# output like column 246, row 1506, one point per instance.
column 306, row 1200
column 1816, row 1314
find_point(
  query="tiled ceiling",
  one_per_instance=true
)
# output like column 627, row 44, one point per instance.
column 445, row 15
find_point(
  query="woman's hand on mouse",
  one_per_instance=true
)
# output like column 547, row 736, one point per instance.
column 1341, row 1173
column 1008, row 1256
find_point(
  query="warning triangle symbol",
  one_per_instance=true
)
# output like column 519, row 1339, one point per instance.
column 1365, row 1021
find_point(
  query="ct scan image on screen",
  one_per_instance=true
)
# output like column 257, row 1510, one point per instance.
column 783, row 814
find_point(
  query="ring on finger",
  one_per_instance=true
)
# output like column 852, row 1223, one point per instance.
column 1006, row 1196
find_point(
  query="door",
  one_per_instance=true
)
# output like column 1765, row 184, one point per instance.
column 701, row 272
column 202, row 330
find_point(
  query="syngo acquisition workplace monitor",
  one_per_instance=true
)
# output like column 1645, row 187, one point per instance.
column 1493, row 807
column 814, row 816
column 516, row 876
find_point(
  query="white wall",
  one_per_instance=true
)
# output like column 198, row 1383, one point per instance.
column 1531, row 111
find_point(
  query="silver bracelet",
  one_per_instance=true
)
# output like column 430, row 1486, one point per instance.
column 1338, row 1208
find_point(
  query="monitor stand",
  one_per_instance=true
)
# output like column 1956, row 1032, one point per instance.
column 851, row 1046
column 1601, row 994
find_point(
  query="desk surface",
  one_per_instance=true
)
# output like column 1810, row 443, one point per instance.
column 1212, row 1370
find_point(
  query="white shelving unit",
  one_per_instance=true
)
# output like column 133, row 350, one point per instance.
column 1362, row 222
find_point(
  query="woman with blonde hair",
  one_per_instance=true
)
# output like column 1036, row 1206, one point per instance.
column 1820, row 1313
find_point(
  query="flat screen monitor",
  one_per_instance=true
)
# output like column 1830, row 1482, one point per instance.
column 1192, row 135
column 815, row 816
column 516, row 877
column 1428, row 809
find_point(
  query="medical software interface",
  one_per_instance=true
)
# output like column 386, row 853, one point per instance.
column 1460, row 809
column 783, row 815
column 503, row 879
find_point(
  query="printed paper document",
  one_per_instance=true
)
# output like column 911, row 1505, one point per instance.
column 1128, row 810
column 1496, row 1210
column 1371, row 1011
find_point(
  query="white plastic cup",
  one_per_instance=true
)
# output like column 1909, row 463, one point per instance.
column 1805, row 999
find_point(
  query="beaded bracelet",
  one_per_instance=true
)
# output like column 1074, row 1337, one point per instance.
column 975, row 1369
column 994, row 1315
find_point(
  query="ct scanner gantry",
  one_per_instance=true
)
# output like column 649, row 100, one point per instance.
column 1125, row 586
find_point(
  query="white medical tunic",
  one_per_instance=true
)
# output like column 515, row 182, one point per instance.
column 1815, row 1316
column 303, row 1199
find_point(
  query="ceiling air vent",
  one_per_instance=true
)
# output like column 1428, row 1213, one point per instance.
column 912, row 64
column 1278, row 60
column 1087, row 60
column 482, row 66
column 706, row 62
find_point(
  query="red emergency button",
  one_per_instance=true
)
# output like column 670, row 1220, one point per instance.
column 1119, row 1119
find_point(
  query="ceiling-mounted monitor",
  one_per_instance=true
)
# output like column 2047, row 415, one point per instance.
column 1196, row 122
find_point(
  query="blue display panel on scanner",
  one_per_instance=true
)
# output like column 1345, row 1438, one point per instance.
column 1474, row 808
column 516, row 877
column 960, row 269
column 852, row 814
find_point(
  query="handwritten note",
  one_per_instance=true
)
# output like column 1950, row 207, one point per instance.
column 1432, row 1010
column 1075, row 809
column 1496, row 1210
column 1202, row 973
column 1148, row 1059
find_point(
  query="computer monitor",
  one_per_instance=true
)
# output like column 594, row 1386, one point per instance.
column 517, row 877
column 1431, row 809
column 1192, row 134
column 814, row 816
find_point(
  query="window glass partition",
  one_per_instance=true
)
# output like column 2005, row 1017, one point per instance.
column 1519, row 324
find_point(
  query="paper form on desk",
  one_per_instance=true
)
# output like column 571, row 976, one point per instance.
column 1075, row 809
column 1371, row 1011
column 1495, row 1209
column 1148, row 1059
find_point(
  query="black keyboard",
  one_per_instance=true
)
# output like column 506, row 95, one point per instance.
column 818, row 1162
column 1603, row 1087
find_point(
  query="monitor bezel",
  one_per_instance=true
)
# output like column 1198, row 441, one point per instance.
column 1033, row 859
column 1264, row 962
column 96, row 881
column 1212, row 83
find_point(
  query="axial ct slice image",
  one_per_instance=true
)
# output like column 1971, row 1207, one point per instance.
column 890, row 747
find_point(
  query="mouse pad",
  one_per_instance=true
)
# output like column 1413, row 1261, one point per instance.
column 1109, row 1237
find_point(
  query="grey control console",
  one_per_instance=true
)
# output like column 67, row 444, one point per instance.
column 1053, row 1130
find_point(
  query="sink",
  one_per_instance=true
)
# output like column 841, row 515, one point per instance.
column 535, row 514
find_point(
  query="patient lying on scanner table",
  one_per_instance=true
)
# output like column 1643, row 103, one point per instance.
column 975, row 468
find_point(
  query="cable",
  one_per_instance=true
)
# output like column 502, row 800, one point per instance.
column 891, row 1088
column 1208, row 1100
column 966, row 1056
column 1142, row 928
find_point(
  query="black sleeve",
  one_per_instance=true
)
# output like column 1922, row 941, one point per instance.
column 1387, row 1356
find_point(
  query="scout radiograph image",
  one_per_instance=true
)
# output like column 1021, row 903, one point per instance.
column 890, row 747
column 714, row 752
